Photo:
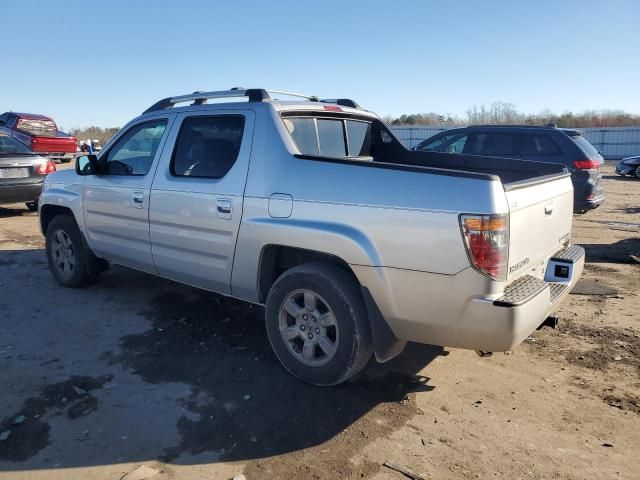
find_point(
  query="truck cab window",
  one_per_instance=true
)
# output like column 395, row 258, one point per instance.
column 134, row 152
column 207, row 146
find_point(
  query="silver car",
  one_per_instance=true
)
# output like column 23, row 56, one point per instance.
column 313, row 208
column 22, row 172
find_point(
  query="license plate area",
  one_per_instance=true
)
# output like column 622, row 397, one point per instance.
column 14, row 172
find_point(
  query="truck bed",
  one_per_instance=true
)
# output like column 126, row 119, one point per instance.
column 513, row 173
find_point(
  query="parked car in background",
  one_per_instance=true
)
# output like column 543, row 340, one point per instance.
column 629, row 166
column 41, row 134
column 22, row 172
column 542, row 144
column 355, row 244
column 85, row 144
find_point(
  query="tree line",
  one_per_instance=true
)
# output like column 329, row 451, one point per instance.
column 504, row 113
column 94, row 133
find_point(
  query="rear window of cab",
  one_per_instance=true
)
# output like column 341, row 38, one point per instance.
column 330, row 137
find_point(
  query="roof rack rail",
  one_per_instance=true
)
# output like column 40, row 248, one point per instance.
column 345, row 102
column 253, row 94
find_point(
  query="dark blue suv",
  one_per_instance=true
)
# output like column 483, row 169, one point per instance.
column 542, row 144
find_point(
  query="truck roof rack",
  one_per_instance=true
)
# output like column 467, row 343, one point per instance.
column 253, row 94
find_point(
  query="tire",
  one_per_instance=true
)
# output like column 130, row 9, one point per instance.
column 337, row 320
column 32, row 206
column 65, row 160
column 71, row 261
column 637, row 172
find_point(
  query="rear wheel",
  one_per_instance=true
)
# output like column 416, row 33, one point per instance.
column 317, row 324
column 637, row 172
column 71, row 261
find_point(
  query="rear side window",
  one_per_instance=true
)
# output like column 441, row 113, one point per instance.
column 9, row 145
column 330, row 137
column 492, row 144
column 538, row 145
column 207, row 147
column 589, row 150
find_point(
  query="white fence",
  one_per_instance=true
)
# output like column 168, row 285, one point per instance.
column 613, row 142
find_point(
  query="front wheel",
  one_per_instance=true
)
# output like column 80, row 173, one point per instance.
column 70, row 260
column 317, row 324
column 637, row 172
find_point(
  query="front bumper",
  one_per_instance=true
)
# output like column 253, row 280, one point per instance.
column 20, row 192
column 625, row 169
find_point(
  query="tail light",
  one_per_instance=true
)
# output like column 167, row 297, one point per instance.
column 586, row 164
column 46, row 167
column 486, row 238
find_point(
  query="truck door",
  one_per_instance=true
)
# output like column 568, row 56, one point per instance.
column 116, row 203
column 197, row 196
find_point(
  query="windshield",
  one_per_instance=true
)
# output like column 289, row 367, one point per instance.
column 11, row 146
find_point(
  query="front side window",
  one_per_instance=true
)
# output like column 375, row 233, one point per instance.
column 134, row 152
column 451, row 143
column 207, row 146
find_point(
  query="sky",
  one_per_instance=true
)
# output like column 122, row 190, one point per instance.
column 103, row 62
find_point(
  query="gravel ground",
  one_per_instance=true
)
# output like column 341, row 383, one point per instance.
column 138, row 370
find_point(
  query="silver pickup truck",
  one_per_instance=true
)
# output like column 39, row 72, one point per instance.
column 313, row 208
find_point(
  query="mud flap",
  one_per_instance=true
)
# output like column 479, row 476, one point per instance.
column 385, row 344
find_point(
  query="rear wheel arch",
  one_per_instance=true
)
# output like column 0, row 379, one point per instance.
column 276, row 259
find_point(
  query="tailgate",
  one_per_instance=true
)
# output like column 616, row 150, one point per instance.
column 539, row 223
column 53, row 144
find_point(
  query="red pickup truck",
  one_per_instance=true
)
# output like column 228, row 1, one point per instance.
column 41, row 134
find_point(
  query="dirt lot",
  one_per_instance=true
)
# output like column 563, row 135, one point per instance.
column 139, row 370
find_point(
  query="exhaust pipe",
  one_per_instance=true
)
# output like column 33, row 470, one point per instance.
column 483, row 354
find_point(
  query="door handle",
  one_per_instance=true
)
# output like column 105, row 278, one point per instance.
column 224, row 208
column 548, row 209
column 138, row 199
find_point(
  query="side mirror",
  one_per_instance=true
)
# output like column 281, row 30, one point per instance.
column 87, row 165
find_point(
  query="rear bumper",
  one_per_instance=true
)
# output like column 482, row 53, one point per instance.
column 584, row 205
column 447, row 310
column 61, row 156
column 20, row 192
column 502, row 324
